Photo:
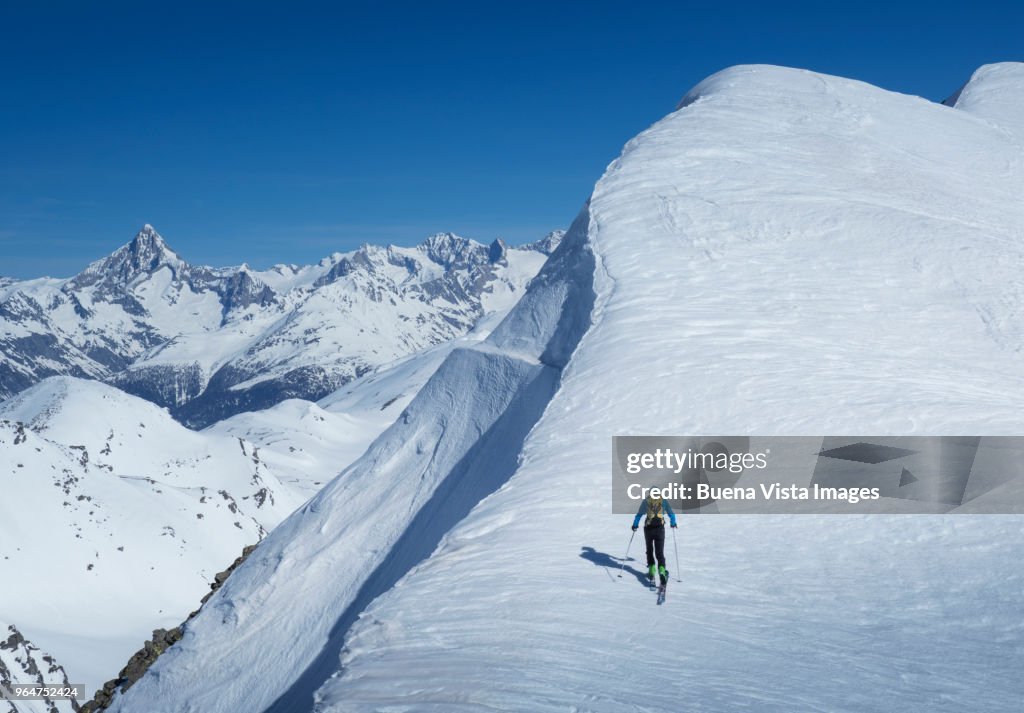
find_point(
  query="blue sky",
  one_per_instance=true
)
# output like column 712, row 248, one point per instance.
column 280, row 132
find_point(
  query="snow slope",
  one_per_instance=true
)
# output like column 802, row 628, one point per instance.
column 787, row 253
column 993, row 93
column 114, row 519
column 304, row 444
column 93, row 428
column 307, row 444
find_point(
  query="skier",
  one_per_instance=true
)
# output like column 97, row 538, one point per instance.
column 654, row 533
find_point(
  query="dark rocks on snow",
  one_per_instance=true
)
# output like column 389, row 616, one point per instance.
column 162, row 639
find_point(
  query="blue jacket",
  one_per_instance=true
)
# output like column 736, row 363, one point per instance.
column 643, row 511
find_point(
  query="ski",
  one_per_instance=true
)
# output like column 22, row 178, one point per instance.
column 661, row 594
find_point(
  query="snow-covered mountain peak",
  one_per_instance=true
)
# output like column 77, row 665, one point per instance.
column 148, row 250
column 58, row 403
column 995, row 92
column 144, row 255
column 750, row 81
column 448, row 249
column 548, row 244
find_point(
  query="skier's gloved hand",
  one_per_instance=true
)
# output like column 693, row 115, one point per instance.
column 634, row 528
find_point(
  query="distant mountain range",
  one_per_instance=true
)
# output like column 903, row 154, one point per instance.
column 208, row 343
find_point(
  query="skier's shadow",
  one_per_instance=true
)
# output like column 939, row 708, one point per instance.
column 613, row 564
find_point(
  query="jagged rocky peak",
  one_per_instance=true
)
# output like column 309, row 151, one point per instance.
column 344, row 265
column 148, row 240
column 242, row 289
column 144, row 255
column 497, row 251
column 22, row 661
column 548, row 243
column 146, row 251
column 448, row 249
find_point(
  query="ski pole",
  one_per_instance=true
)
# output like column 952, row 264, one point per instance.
column 675, row 545
column 623, row 567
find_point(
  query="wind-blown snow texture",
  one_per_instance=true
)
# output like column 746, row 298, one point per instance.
column 787, row 253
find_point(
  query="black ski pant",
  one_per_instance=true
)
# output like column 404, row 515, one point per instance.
column 654, row 537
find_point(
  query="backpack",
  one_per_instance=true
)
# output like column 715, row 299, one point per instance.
column 654, row 513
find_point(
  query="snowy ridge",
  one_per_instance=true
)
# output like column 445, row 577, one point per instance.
column 995, row 92
column 453, row 444
column 208, row 343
